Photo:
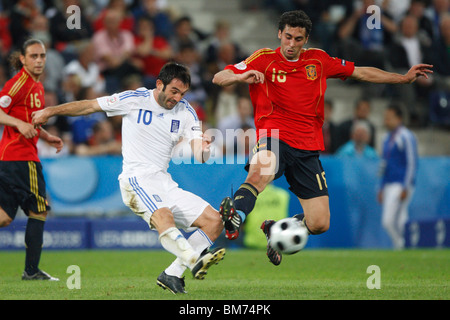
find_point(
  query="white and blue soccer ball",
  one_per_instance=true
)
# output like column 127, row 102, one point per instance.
column 288, row 236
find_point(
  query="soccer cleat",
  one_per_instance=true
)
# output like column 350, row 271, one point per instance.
column 273, row 255
column 231, row 219
column 171, row 283
column 205, row 261
column 40, row 275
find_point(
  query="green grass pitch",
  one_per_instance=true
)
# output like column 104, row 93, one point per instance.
column 242, row 275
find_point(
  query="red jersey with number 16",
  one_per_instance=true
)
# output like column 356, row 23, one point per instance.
column 291, row 99
column 19, row 98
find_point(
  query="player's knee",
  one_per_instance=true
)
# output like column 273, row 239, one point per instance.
column 319, row 224
column 258, row 180
column 162, row 219
column 211, row 223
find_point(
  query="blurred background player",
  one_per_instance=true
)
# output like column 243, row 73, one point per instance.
column 21, row 180
column 153, row 122
column 399, row 168
column 287, row 91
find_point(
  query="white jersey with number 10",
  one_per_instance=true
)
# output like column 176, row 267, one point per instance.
column 149, row 131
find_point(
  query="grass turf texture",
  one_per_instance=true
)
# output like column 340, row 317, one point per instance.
column 242, row 275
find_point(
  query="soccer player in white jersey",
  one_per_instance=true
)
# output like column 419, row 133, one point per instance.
column 153, row 123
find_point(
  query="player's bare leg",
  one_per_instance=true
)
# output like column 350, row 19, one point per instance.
column 316, row 214
column 210, row 226
column 171, row 238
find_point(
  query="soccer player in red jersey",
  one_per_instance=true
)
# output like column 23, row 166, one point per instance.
column 287, row 88
column 21, row 178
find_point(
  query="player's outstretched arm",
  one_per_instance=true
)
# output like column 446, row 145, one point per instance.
column 75, row 108
column 201, row 148
column 26, row 129
column 227, row 77
column 375, row 75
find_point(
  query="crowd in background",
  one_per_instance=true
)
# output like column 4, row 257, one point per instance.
column 122, row 44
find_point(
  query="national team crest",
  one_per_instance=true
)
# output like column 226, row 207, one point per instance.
column 175, row 126
column 311, row 72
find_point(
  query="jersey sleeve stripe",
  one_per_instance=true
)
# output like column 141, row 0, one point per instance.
column 190, row 109
column 19, row 83
column 130, row 94
column 257, row 54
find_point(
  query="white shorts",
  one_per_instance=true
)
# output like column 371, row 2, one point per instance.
column 146, row 194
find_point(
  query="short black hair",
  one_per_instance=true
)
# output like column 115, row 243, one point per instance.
column 397, row 109
column 173, row 70
column 297, row 18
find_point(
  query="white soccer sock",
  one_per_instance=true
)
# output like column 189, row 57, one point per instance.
column 199, row 242
column 173, row 241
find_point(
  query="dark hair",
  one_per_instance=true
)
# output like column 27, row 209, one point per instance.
column 397, row 109
column 173, row 70
column 297, row 18
column 14, row 59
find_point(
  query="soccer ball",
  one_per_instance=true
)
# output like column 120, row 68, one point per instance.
column 288, row 235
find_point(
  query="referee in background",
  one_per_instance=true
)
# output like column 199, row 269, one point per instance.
column 398, row 174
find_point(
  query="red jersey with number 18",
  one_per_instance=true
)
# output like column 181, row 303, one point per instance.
column 291, row 99
column 19, row 98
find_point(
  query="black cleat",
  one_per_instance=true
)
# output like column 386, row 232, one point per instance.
column 231, row 219
column 39, row 275
column 171, row 283
column 273, row 255
column 206, row 260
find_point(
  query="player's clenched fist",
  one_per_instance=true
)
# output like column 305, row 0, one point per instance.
column 39, row 118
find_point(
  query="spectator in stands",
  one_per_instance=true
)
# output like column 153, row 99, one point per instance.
column 127, row 22
column 20, row 21
column 329, row 129
column 101, row 142
column 81, row 127
column 361, row 112
column 410, row 47
column 52, row 77
column 437, row 10
column 417, row 9
column 188, row 55
column 359, row 43
column 85, row 69
column 65, row 39
column 113, row 50
column 221, row 36
column 358, row 144
column 5, row 36
column 396, row 9
column 152, row 51
column 162, row 21
column 57, row 126
column 441, row 51
column 243, row 117
column 186, row 34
